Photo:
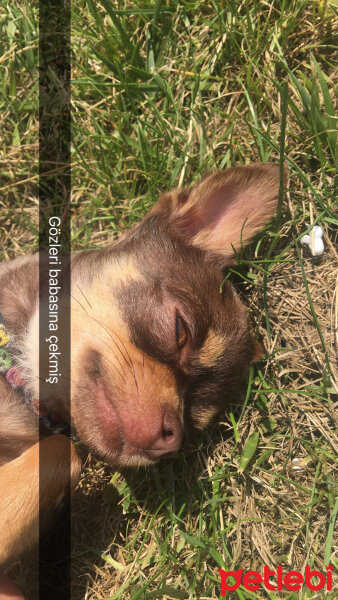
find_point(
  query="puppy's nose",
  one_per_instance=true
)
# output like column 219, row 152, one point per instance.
column 169, row 438
column 156, row 433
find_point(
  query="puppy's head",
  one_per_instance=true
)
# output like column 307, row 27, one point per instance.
column 157, row 347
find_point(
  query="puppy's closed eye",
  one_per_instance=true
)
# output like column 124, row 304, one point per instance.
column 181, row 332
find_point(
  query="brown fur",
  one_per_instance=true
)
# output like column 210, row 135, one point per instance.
column 136, row 390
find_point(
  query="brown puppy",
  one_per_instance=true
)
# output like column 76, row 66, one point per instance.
column 156, row 348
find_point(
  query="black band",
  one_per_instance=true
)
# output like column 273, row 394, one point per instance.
column 54, row 211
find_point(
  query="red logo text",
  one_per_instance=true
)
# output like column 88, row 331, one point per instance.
column 290, row 580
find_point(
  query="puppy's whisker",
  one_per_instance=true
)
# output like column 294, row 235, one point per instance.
column 78, row 301
column 136, row 384
column 85, row 297
column 165, row 376
column 130, row 364
column 129, row 361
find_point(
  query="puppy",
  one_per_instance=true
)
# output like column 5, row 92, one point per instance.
column 159, row 343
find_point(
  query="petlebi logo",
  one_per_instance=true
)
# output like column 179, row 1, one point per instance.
column 290, row 580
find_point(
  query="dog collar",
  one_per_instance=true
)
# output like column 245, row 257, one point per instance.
column 12, row 372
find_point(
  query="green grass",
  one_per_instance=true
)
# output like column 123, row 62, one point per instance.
column 18, row 126
column 161, row 93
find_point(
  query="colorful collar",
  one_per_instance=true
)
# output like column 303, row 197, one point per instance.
column 12, row 372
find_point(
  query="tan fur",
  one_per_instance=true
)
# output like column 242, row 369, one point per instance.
column 124, row 269
column 212, row 349
column 18, row 426
column 30, row 490
column 205, row 417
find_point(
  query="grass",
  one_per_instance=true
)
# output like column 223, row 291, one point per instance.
column 161, row 93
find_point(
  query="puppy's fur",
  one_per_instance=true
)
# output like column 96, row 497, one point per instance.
column 156, row 348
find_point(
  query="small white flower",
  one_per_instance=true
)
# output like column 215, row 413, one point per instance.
column 295, row 465
column 300, row 464
column 314, row 240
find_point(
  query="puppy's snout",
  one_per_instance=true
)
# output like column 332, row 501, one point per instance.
column 158, row 435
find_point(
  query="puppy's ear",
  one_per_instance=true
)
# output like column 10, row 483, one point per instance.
column 227, row 208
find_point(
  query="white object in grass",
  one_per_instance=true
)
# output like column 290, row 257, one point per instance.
column 314, row 240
